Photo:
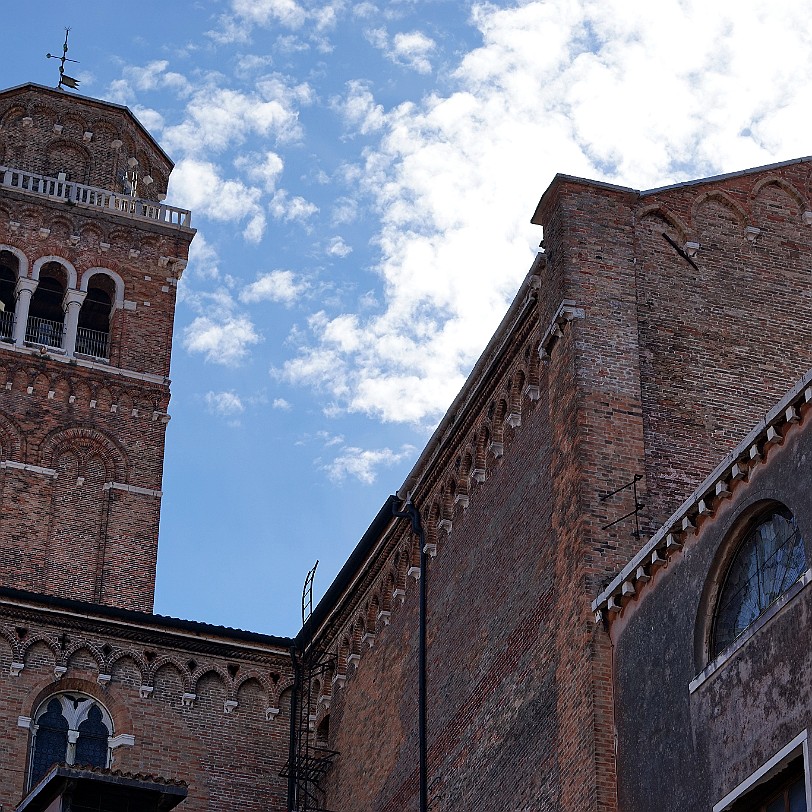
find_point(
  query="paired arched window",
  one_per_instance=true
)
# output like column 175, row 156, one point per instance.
column 69, row 728
column 769, row 560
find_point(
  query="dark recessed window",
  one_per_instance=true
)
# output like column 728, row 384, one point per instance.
column 69, row 728
column 767, row 563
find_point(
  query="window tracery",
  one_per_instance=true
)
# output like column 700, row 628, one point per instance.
column 70, row 728
column 770, row 559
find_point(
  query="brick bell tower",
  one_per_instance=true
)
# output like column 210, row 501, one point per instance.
column 89, row 263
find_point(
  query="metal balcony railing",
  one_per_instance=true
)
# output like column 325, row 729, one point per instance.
column 94, row 197
column 43, row 331
column 92, row 342
column 6, row 323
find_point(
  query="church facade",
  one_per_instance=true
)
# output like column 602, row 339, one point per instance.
column 591, row 585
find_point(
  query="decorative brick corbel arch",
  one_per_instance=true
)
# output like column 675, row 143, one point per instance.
column 123, row 654
column 12, row 441
column 167, row 662
column 784, row 185
column 86, row 441
column 724, row 199
column 14, row 644
column 94, row 651
column 205, row 670
column 674, row 220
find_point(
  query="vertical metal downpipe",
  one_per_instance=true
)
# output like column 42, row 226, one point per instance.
column 294, row 712
column 421, row 694
column 411, row 512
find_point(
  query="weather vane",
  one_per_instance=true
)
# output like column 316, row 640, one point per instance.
column 64, row 79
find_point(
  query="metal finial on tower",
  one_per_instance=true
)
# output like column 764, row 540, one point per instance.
column 64, row 79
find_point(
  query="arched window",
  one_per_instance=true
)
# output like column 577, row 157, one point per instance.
column 69, row 728
column 46, row 316
column 769, row 560
column 9, row 269
column 93, row 333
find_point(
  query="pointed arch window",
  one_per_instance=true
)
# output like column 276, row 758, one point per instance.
column 69, row 728
column 769, row 560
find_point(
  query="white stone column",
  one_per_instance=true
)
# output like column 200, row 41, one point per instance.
column 71, row 304
column 23, row 291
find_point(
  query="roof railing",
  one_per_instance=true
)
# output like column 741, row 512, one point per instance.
column 94, row 197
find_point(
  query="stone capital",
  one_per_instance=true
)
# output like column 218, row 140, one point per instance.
column 25, row 283
column 73, row 297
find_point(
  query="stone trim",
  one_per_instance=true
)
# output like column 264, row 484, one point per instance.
column 736, row 466
column 566, row 312
column 120, row 486
column 54, row 354
column 34, row 469
column 770, row 768
column 759, row 623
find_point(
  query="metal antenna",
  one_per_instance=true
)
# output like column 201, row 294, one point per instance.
column 64, row 79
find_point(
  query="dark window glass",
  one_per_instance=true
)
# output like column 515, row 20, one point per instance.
column 91, row 748
column 8, row 279
column 797, row 796
column 95, row 312
column 51, row 741
column 770, row 559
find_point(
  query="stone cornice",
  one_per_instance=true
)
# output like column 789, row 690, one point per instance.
column 700, row 505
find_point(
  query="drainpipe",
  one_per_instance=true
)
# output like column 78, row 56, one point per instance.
column 292, row 754
column 411, row 512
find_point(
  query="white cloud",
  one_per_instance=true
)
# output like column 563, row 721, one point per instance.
column 245, row 15
column 364, row 10
column 151, row 119
column 409, row 49
column 224, row 403
column 363, row 464
column 281, row 404
column 287, row 207
column 264, row 12
column 277, row 286
column 265, row 169
column 225, row 341
column 152, row 76
column 218, row 117
column 601, row 88
column 413, row 49
column 338, row 248
column 203, row 259
column 200, row 187
column 358, row 108
column 345, row 210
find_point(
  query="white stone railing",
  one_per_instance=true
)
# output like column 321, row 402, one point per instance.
column 94, row 197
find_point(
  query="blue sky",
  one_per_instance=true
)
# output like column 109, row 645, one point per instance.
column 362, row 177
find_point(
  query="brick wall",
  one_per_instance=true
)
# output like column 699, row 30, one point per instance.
column 758, row 700
column 82, row 439
column 229, row 759
column 657, row 371
column 47, row 131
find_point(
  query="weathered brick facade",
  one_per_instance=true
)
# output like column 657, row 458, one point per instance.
column 204, row 705
column 652, row 332
column 88, row 275
column 667, row 323
column 82, row 436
